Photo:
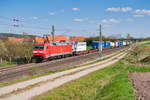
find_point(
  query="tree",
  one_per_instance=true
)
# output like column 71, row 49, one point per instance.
column 3, row 51
column 25, row 35
column 27, row 51
column 11, row 49
column 90, row 39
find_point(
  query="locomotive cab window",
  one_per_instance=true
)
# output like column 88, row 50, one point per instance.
column 39, row 47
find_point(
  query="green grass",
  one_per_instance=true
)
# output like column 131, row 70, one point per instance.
column 7, row 64
column 117, row 89
column 89, row 47
column 148, row 43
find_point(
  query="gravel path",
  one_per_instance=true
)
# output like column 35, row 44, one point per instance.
column 141, row 84
column 27, row 94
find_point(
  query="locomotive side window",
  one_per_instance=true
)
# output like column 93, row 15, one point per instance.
column 47, row 47
column 39, row 47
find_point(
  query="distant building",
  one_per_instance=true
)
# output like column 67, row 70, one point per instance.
column 56, row 39
column 15, row 39
column 128, row 36
column 20, row 39
column 38, row 39
column 77, row 38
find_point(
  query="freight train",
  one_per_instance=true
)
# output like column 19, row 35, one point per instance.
column 44, row 51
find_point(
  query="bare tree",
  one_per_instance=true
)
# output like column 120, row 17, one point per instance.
column 27, row 51
column 3, row 51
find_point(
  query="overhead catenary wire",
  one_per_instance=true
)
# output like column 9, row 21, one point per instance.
column 20, row 24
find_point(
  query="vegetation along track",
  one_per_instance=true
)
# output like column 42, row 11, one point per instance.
column 16, row 72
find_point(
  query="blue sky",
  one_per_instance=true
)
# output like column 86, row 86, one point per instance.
column 76, row 17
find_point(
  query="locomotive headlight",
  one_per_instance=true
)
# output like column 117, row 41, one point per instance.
column 40, row 51
column 34, row 51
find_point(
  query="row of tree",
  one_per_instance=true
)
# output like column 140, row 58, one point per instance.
column 90, row 39
column 12, row 51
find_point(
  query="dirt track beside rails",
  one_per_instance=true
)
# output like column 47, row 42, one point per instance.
column 141, row 84
column 54, row 65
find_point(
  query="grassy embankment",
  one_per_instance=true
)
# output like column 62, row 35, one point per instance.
column 111, row 83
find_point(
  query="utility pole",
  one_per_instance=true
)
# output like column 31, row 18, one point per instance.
column 53, row 30
column 100, row 39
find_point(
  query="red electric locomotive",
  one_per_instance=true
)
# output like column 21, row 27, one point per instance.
column 43, row 51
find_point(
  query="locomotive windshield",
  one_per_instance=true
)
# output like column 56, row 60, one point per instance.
column 39, row 47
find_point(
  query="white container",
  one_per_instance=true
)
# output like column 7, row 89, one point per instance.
column 116, row 44
column 112, row 44
column 128, row 43
column 79, row 46
column 124, row 43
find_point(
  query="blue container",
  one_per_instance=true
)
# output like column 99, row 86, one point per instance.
column 120, row 43
column 95, row 44
column 107, row 44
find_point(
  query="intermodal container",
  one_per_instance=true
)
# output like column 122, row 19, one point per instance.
column 95, row 44
column 116, row 44
column 124, row 43
column 120, row 43
column 112, row 44
column 107, row 44
column 79, row 46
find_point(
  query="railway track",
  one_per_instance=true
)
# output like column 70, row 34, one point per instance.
column 12, row 73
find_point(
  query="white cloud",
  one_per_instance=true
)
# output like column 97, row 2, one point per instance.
column 110, row 21
column 138, row 15
column 126, row 9
column 75, row 9
column 113, row 9
column 142, row 12
column 35, row 18
column 52, row 13
column 130, row 20
column 78, row 20
column 119, row 9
